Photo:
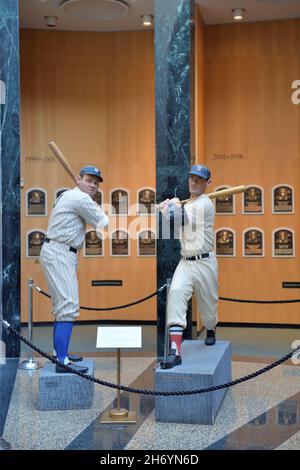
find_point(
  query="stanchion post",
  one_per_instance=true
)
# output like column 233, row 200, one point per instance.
column 166, row 345
column 30, row 364
column 119, row 415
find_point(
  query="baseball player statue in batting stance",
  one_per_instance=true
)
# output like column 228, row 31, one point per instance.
column 65, row 236
column 197, row 271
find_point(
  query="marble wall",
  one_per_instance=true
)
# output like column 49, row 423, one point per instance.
column 174, row 103
column 10, row 171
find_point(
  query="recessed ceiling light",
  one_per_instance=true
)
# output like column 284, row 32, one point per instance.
column 51, row 21
column 238, row 13
column 147, row 20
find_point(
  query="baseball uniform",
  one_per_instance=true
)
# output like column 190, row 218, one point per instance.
column 66, row 232
column 198, row 276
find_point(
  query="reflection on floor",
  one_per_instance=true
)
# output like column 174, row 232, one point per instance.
column 263, row 413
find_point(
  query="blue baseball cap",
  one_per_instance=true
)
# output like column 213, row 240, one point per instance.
column 91, row 170
column 200, row 170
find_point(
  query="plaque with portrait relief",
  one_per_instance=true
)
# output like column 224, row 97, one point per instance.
column 146, row 200
column 253, row 200
column 224, row 204
column 93, row 245
column 147, row 243
column 60, row 191
column 253, row 242
column 283, row 242
column 119, row 243
column 98, row 197
column 283, row 200
column 225, row 242
column 36, row 202
column 35, row 240
column 119, row 202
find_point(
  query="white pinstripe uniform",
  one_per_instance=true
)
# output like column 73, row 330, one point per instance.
column 67, row 227
column 199, row 276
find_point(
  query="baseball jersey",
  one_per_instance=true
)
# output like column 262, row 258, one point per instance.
column 70, row 214
column 197, row 236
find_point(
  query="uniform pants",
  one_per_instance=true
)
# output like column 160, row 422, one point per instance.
column 59, row 266
column 201, row 278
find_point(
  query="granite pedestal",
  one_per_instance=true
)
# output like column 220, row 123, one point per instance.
column 202, row 366
column 65, row 391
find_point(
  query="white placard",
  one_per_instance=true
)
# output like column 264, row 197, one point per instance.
column 119, row 337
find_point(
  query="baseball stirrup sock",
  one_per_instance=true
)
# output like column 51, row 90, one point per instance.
column 62, row 334
column 175, row 338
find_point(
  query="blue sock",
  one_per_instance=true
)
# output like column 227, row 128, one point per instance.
column 62, row 331
column 54, row 330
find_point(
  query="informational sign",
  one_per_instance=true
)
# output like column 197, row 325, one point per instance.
column 119, row 337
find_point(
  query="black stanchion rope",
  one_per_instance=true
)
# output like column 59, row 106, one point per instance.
column 104, row 309
column 151, row 392
column 227, row 299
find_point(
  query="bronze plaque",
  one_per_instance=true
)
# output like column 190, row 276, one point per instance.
column 35, row 242
column 98, row 198
column 283, row 243
column 36, row 202
column 147, row 201
column 59, row 192
column 224, row 204
column 119, row 243
column 253, row 243
column 253, row 200
column 225, row 243
column 119, row 201
column 93, row 244
column 282, row 199
column 147, row 245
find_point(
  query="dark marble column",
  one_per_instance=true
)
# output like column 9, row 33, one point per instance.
column 174, row 39
column 10, row 171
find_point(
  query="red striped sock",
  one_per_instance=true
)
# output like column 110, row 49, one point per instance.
column 176, row 338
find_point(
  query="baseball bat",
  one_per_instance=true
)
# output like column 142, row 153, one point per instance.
column 62, row 160
column 222, row 192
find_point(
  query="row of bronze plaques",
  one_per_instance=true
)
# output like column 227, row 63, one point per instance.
column 225, row 243
column 253, row 201
column 36, row 201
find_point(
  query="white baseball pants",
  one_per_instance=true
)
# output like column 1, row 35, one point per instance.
column 59, row 266
column 201, row 278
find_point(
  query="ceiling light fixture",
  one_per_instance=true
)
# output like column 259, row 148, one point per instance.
column 238, row 14
column 147, row 20
column 51, row 21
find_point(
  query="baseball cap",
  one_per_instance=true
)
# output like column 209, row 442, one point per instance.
column 91, row 170
column 200, row 170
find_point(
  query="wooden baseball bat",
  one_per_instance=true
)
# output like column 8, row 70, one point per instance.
column 222, row 192
column 62, row 160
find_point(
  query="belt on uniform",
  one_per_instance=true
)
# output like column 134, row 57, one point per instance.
column 74, row 250
column 194, row 258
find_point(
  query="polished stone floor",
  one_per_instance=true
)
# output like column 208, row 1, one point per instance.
column 263, row 413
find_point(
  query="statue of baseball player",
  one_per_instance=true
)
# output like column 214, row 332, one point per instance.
column 65, row 236
column 197, row 271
